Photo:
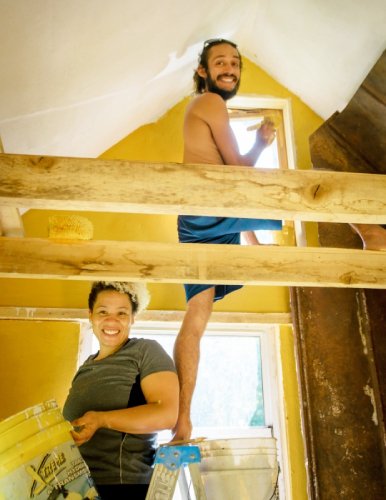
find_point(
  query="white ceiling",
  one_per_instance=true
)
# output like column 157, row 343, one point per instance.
column 79, row 75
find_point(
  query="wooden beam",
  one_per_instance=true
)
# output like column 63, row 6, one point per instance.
column 63, row 314
column 170, row 188
column 191, row 263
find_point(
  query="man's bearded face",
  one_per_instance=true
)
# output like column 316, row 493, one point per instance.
column 212, row 86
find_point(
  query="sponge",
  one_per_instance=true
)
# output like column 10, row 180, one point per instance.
column 70, row 227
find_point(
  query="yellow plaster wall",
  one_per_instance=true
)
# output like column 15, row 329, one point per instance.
column 38, row 360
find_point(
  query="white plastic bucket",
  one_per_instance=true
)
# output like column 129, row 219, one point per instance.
column 39, row 459
column 239, row 469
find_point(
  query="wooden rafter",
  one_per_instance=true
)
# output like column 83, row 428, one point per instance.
column 170, row 188
column 191, row 263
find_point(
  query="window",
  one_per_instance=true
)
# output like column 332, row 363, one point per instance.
column 229, row 398
column 246, row 114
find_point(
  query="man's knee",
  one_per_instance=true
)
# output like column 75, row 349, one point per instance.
column 202, row 302
column 197, row 314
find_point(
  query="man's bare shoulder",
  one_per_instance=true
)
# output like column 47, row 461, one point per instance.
column 208, row 102
column 199, row 145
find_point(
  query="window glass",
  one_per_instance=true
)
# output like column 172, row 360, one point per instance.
column 229, row 391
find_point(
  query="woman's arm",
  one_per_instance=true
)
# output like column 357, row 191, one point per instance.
column 161, row 392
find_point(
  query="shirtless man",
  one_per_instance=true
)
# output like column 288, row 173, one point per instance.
column 208, row 138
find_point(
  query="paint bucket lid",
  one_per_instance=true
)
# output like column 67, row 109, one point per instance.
column 33, row 446
column 26, row 414
column 29, row 427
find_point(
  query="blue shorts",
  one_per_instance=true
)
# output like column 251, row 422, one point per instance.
column 218, row 230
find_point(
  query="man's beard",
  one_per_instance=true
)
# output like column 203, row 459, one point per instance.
column 225, row 94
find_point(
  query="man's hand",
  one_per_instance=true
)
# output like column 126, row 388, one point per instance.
column 183, row 429
column 266, row 133
column 85, row 427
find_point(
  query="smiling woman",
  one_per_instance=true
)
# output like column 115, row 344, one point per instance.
column 122, row 395
column 111, row 316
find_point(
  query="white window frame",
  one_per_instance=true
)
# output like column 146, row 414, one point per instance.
column 251, row 101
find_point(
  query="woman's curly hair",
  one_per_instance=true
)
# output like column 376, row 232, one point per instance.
column 137, row 293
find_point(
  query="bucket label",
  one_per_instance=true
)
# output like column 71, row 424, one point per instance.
column 58, row 474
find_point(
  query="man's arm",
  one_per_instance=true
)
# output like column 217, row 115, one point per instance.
column 213, row 111
column 265, row 135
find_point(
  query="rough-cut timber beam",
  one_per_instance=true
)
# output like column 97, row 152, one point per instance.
column 191, row 263
column 170, row 188
column 63, row 314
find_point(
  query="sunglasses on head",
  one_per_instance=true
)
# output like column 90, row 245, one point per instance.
column 217, row 41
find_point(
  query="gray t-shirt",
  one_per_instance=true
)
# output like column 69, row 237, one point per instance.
column 109, row 384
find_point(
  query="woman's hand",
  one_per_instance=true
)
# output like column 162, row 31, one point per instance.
column 85, row 427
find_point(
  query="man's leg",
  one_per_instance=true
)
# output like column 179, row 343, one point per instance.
column 187, row 356
column 373, row 236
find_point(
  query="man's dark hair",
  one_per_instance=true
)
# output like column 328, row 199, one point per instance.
column 199, row 81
